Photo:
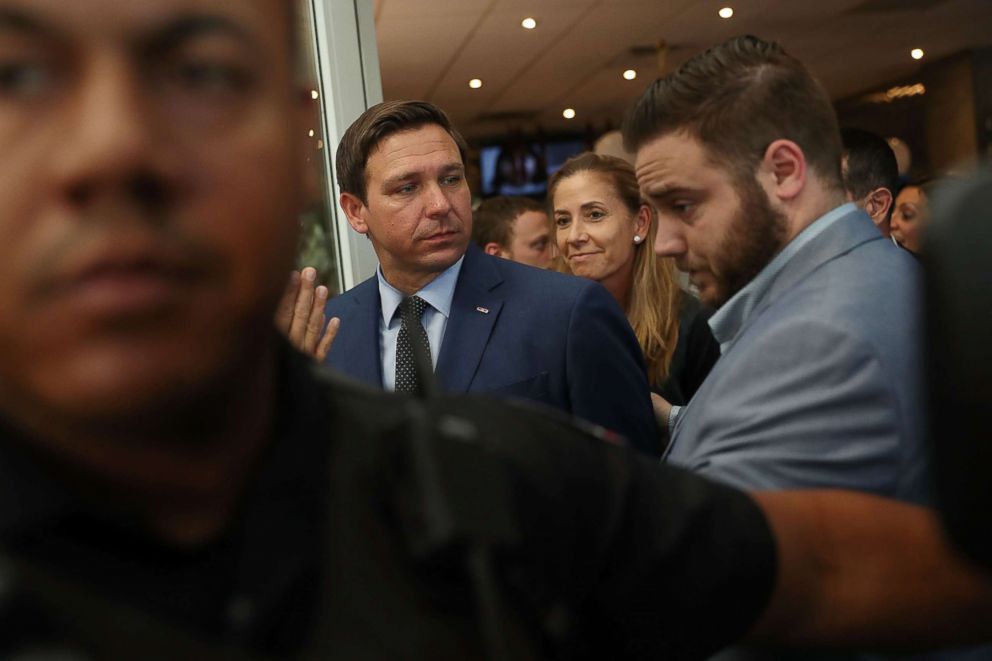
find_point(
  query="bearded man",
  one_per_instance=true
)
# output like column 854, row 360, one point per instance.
column 817, row 384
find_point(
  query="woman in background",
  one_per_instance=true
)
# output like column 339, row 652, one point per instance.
column 606, row 233
column 910, row 214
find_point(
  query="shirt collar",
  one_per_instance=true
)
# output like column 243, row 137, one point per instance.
column 439, row 292
column 730, row 318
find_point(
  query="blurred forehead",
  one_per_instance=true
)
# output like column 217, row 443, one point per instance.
column 265, row 22
column 910, row 195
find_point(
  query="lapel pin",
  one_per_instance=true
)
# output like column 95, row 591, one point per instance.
column 483, row 310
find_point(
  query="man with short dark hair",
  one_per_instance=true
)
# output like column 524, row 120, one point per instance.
column 178, row 484
column 514, row 228
column 818, row 383
column 490, row 325
column 871, row 175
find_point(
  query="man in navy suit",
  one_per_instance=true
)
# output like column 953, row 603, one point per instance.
column 492, row 325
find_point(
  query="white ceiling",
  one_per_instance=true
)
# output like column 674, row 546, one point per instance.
column 429, row 49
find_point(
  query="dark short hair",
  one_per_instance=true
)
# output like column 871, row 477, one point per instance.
column 375, row 125
column 736, row 99
column 871, row 163
column 492, row 222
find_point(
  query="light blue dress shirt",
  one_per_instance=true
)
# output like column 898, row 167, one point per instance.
column 728, row 320
column 438, row 293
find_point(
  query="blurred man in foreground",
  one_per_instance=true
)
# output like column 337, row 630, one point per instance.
column 178, row 484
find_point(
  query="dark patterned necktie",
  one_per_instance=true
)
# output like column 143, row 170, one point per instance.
column 411, row 330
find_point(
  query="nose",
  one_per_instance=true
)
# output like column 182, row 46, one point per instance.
column 576, row 233
column 670, row 238
column 107, row 140
column 438, row 203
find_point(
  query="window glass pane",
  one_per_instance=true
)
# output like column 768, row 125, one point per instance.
column 318, row 243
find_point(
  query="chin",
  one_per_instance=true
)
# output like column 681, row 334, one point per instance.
column 444, row 259
column 131, row 383
column 586, row 271
column 712, row 296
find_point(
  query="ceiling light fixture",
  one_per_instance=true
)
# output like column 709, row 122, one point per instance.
column 475, row 83
column 314, row 94
column 896, row 93
column 630, row 74
column 568, row 113
column 916, row 53
column 726, row 12
column 528, row 23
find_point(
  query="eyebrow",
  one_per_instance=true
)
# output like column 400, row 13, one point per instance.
column 587, row 205
column 190, row 26
column 414, row 174
column 172, row 34
column 666, row 190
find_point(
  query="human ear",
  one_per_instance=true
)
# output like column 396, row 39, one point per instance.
column 353, row 208
column 785, row 165
column 878, row 204
column 642, row 222
column 493, row 248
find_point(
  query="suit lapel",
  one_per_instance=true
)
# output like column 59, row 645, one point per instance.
column 359, row 355
column 474, row 310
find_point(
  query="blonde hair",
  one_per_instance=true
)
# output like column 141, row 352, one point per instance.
column 653, row 305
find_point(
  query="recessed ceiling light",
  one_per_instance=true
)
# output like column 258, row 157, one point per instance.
column 630, row 74
column 475, row 83
column 314, row 94
column 310, row 133
column 568, row 113
column 726, row 12
column 916, row 53
column 528, row 23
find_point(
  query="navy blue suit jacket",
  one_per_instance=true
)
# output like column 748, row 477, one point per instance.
column 547, row 337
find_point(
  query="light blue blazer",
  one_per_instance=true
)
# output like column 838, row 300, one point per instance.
column 821, row 387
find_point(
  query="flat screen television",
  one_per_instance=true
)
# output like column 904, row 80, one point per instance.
column 522, row 168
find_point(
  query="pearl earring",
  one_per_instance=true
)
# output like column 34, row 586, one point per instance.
column 637, row 238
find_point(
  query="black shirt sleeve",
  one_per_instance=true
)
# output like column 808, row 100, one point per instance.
column 611, row 555
column 633, row 559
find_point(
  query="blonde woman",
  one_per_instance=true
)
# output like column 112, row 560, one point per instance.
column 604, row 232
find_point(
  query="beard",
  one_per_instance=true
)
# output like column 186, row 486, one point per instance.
column 757, row 233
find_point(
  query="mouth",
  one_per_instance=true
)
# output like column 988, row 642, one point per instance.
column 127, row 280
column 581, row 256
column 440, row 237
column 697, row 278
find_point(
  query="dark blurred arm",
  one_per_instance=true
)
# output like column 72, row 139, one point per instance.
column 861, row 571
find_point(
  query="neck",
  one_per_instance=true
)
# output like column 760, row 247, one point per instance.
column 409, row 283
column 180, row 469
column 620, row 284
column 816, row 201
